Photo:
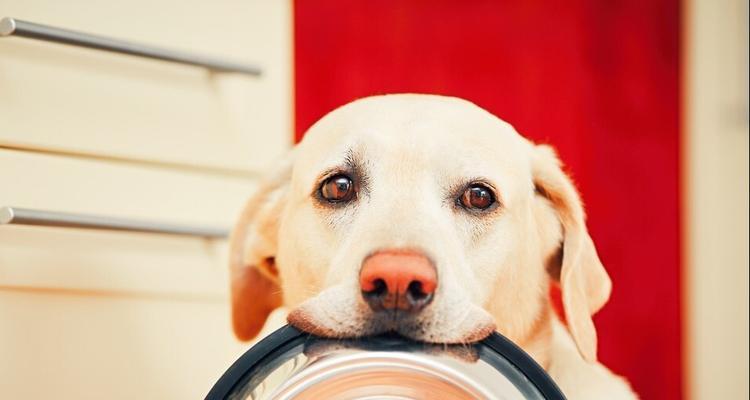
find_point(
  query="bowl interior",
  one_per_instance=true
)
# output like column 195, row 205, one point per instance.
column 385, row 367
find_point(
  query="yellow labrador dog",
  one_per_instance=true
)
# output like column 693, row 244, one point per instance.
column 427, row 216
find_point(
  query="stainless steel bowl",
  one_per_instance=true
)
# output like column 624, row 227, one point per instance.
column 290, row 364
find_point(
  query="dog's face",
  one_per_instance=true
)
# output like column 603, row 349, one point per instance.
column 423, row 215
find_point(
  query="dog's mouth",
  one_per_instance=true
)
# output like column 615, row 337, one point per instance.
column 462, row 323
column 318, row 348
column 390, row 323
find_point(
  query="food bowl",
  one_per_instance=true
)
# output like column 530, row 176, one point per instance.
column 290, row 364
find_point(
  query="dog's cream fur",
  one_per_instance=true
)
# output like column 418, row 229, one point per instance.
column 410, row 153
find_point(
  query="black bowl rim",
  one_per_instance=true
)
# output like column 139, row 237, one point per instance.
column 280, row 340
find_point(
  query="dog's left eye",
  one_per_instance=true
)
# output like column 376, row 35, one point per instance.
column 477, row 197
column 337, row 189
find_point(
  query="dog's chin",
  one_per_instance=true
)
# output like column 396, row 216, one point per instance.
column 331, row 314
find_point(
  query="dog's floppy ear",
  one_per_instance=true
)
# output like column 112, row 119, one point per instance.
column 584, row 283
column 254, row 279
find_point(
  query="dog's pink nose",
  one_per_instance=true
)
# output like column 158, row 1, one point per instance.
column 397, row 279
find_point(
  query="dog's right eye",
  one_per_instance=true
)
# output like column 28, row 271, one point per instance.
column 477, row 196
column 337, row 189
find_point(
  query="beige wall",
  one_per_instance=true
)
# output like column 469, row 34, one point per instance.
column 716, row 198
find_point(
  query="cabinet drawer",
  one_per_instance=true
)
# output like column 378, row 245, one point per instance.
column 32, row 256
column 82, row 101
column 72, row 346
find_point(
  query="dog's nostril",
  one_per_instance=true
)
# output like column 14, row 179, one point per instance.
column 415, row 289
column 379, row 289
column 416, row 295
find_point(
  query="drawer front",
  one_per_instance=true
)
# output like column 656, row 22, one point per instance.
column 99, row 314
column 33, row 256
column 71, row 346
column 71, row 100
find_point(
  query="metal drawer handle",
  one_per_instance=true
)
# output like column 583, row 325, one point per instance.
column 15, row 27
column 24, row 216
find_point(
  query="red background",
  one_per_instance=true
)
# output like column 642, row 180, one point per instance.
column 597, row 79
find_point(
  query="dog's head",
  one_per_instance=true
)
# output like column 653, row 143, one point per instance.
column 419, row 214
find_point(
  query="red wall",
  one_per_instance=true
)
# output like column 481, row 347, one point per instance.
column 597, row 79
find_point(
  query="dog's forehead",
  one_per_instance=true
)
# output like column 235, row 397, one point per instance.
column 410, row 116
column 446, row 129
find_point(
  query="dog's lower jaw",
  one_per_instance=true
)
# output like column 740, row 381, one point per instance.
column 471, row 325
column 305, row 322
column 328, row 315
column 323, row 315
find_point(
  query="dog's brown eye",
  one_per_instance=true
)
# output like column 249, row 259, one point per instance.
column 477, row 197
column 337, row 189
